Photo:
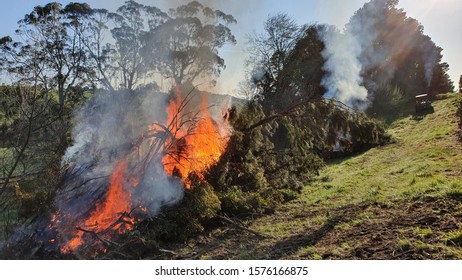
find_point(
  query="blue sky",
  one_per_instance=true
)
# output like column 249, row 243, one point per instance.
column 440, row 19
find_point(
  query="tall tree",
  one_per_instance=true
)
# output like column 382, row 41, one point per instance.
column 441, row 82
column 394, row 50
column 50, row 38
column 460, row 84
column 131, row 27
column 55, row 33
column 270, row 50
column 100, row 52
column 303, row 68
column 185, row 46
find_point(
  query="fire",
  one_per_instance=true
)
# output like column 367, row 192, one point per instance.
column 107, row 215
column 201, row 145
column 195, row 141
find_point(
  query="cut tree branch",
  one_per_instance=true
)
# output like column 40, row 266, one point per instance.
column 238, row 226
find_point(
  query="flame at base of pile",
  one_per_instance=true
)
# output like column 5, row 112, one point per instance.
column 111, row 215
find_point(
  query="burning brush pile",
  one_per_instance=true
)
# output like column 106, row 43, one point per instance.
column 131, row 156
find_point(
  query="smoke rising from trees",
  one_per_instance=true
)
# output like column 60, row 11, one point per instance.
column 343, row 80
column 380, row 46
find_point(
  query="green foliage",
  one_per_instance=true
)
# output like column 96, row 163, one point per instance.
column 389, row 103
column 367, row 132
column 303, row 69
column 460, row 84
column 459, row 116
column 241, row 177
column 237, row 202
column 295, row 70
column 200, row 204
column 441, row 82
column 263, row 166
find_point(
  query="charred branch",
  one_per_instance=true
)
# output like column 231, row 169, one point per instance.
column 103, row 240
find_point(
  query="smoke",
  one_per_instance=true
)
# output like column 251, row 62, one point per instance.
column 104, row 133
column 157, row 190
column 249, row 14
column 341, row 53
column 365, row 57
column 113, row 127
column 351, row 52
column 431, row 55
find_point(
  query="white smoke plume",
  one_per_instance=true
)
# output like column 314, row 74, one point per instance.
column 341, row 53
column 357, row 50
column 349, row 53
column 105, row 132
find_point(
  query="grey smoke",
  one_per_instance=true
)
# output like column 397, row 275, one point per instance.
column 104, row 132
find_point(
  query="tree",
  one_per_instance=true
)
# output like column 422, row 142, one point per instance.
column 91, row 25
column 287, row 63
column 55, row 34
column 269, row 50
column 304, row 67
column 129, row 35
column 460, row 84
column 33, row 143
column 99, row 52
column 51, row 38
column 441, row 82
column 185, row 47
column 394, row 52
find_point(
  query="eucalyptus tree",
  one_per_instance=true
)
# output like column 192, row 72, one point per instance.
column 132, row 21
column 48, row 49
column 185, row 47
column 96, row 44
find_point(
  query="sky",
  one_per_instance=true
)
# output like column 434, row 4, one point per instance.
column 440, row 19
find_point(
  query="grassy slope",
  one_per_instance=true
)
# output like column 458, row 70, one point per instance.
column 400, row 201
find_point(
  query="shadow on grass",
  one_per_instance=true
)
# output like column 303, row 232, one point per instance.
column 418, row 116
column 298, row 241
column 347, row 156
column 455, row 195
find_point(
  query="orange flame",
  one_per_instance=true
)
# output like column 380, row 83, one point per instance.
column 203, row 144
column 107, row 215
column 190, row 150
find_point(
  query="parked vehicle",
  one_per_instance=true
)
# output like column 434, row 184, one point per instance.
column 423, row 103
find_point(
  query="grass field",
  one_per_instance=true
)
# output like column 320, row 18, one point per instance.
column 399, row 201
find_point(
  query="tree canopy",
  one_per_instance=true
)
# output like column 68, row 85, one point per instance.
column 76, row 45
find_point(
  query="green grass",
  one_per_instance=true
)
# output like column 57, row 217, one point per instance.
column 454, row 238
column 31, row 162
column 418, row 164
